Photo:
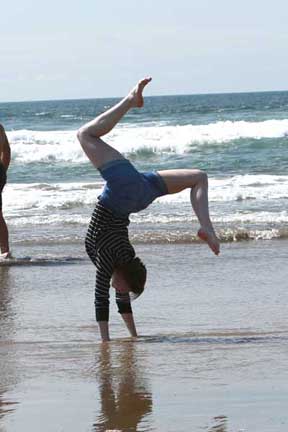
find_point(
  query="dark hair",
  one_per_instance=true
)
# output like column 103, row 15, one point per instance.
column 134, row 272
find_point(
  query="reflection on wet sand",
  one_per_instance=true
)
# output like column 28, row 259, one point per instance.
column 5, row 302
column 6, row 407
column 125, row 400
column 220, row 424
column 7, row 364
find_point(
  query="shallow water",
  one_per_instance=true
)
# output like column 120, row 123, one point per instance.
column 212, row 355
column 240, row 140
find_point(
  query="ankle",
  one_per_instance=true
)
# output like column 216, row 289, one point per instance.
column 130, row 100
column 207, row 228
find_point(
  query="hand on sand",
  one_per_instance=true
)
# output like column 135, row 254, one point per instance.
column 210, row 238
column 136, row 96
column 6, row 255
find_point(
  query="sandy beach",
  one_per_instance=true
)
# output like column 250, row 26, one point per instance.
column 189, row 89
column 212, row 351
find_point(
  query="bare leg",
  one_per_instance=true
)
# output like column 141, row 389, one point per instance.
column 89, row 135
column 4, row 237
column 5, row 152
column 180, row 179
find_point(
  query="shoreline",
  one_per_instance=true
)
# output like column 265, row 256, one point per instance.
column 212, row 351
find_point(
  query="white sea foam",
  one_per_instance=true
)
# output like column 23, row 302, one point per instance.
column 50, row 220
column 250, row 186
column 34, row 199
column 260, row 217
column 254, row 198
column 180, row 139
column 62, row 195
column 239, row 188
column 43, row 113
column 33, row 146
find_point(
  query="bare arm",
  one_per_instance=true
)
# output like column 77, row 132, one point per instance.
column 130, row 323
column 104, row 269
column 5, row 152
column 125, row 309
column 104, row 330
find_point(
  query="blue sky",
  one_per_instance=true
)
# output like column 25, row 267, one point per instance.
column 90, row 48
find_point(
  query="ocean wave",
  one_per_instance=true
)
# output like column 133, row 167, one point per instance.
column 226, row 236
column 259, row 196
column 220, row 216
column 56, row 240
column 180, row 139
column 215, row 337
column 230, row 235
column 59, row 221
column 42, row 197
column 238, row 188
column 46, row 146
column 43, row 113
column 64, row 217
column 47, row 260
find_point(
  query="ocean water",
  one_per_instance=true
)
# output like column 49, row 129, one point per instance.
column 239, row 139
column 212, row 351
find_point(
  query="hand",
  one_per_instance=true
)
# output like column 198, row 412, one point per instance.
column 130, row 324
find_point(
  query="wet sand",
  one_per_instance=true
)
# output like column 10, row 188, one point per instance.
column 212, row 355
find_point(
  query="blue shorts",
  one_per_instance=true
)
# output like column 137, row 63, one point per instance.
column 128, row 190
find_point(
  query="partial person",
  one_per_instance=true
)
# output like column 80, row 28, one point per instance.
column 129, row 191
column 5, row 157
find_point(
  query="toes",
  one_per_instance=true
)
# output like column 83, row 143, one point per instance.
column 144, row 82
column 211, row 241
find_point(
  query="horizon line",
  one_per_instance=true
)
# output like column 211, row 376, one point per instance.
column 149, row 96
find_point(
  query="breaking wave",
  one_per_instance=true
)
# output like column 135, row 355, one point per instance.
column 46, row 146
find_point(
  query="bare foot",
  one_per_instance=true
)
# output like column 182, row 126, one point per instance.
column 136, row 96
column 209, row 237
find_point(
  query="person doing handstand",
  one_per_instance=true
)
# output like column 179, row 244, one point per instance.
column 5, row 156
column 129, row 191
